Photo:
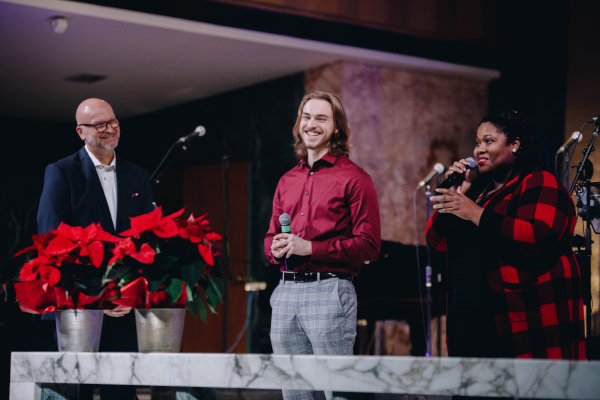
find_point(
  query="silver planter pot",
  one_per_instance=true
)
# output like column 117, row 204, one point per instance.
column 78, row 330
column 159, row 329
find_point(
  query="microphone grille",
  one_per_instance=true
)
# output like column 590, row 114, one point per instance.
column 439, row 168
column 285, row 219
column 200, row 131
column 471, row 162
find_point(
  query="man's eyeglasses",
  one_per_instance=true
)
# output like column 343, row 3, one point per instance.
column 102, row 126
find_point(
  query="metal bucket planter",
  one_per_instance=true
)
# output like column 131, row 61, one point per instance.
column 79, row 330
column 159, row 329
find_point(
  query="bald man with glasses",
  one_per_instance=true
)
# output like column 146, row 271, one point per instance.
column 94, row 186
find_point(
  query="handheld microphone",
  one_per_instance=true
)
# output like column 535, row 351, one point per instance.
column 437, row 169
column 198, row 132
column 457, row 178
column 574, row 139
column 285, row 220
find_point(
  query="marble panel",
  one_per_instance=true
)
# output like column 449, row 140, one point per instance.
column 366, row 374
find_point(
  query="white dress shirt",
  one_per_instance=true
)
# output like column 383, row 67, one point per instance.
column 108, row 179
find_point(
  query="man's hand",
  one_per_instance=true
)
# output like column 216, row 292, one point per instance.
column 118, row 311
column 286, row 244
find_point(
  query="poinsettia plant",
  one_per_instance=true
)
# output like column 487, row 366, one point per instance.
column 168, row 261
column 66, row 268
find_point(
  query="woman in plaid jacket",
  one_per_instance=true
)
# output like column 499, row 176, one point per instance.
column 514, row 283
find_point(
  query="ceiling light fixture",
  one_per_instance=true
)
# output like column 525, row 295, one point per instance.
column 59, row 24
column 85, row 78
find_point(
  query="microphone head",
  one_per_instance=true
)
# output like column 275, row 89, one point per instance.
column 576, row 137
column 437, row 169
column 285, row 219
column 471, row 162
column 200, row 131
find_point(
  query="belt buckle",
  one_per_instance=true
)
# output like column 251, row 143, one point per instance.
column 288, row 272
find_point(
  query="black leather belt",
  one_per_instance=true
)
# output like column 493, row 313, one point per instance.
column 309, row 276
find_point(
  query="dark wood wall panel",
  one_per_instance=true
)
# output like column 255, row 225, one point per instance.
column 203, row 192
column 468, row 21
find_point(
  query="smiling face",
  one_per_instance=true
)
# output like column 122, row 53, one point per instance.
column 493, row 151
column 100, row 143
column 317, row 126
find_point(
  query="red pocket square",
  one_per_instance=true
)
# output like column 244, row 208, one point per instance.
column 134, row 194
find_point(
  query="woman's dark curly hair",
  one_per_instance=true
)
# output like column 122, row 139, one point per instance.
column 534, row 150
column 339, row 141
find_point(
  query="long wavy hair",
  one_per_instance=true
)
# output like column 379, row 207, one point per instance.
column 338, row 145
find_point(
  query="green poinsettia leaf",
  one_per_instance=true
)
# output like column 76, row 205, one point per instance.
column 157, row 283
column 214, row 293
column 198, row 308
column 115, row 273
column 126, row 278
column 174, row 289
column 191, row 272
column 190, row 293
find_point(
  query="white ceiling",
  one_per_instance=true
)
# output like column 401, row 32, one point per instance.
column 151, row 61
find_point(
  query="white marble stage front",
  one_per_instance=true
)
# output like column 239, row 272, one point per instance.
column 367, row 374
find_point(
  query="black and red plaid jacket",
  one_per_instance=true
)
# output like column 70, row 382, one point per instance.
column 533, row 278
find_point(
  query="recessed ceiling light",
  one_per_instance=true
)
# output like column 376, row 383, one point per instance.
column 85, row 78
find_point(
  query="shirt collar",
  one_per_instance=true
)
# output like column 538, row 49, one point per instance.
column 327, row 158
column 98, row 164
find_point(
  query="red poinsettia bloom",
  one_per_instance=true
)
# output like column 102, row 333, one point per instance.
column 67, row 269
column 89, row 240
column 39, row 243
column 40, row 268
column 127, row 247
column 165, row 262
column 136, row 294
column 198, row 231
column 155, row 222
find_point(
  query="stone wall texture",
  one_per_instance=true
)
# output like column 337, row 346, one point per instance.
column 402, row 122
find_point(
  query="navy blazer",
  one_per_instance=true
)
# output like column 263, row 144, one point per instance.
column 73, row 194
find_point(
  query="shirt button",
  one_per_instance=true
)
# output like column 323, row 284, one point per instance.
column 306, row 193
column 302, row 213
column 311, row 173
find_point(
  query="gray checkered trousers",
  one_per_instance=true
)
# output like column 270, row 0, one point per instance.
column 313, row 318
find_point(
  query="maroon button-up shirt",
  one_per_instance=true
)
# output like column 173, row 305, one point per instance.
column 334, row 205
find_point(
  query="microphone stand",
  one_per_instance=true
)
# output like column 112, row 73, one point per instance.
column 155, row 176
column 587, row 252
column 428, row 271
column 586, row 155
column 562, row 169
column 567, row 163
